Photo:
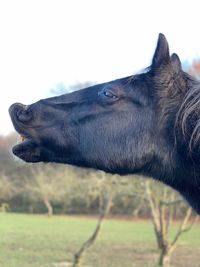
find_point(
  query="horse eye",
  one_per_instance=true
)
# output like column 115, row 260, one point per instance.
column 109, row 94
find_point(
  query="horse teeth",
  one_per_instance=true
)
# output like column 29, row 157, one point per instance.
column 21, row 138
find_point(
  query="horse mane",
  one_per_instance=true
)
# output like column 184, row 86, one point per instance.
column 187, row 122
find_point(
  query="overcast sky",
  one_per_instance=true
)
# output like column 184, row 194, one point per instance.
column 44, row 43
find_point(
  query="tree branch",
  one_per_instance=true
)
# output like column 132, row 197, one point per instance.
column 88, row 243
column 183, row 226
column 137, row 195
column 154, row 211
column 169, row 203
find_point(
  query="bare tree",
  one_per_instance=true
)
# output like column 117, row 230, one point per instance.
column 47, row 185
column 162, row 217
column 7, row 190
column 78, row 257
column 104, row 189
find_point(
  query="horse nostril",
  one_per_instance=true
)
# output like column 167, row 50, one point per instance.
column 24, row 115
column 15, row 107
column 21, row 112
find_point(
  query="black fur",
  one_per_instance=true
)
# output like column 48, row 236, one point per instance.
column 147, row 123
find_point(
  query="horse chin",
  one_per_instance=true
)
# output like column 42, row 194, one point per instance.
column 27, row 150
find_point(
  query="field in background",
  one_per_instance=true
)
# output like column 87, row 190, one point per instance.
column 38, row 241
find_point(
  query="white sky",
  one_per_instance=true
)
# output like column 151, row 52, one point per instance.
column 44, row 43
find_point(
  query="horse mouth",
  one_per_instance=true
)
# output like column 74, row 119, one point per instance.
column 26, row 148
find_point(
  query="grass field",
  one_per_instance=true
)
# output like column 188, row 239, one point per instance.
column 38, row 241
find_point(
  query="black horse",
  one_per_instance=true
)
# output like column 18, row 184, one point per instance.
column 147, row 123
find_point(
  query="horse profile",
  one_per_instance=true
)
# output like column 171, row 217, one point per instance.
column 147, row 123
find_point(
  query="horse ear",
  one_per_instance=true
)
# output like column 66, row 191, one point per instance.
column 161, row 55
column 176, row 63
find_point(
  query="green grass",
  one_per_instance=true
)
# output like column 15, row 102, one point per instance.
column 38, row 241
